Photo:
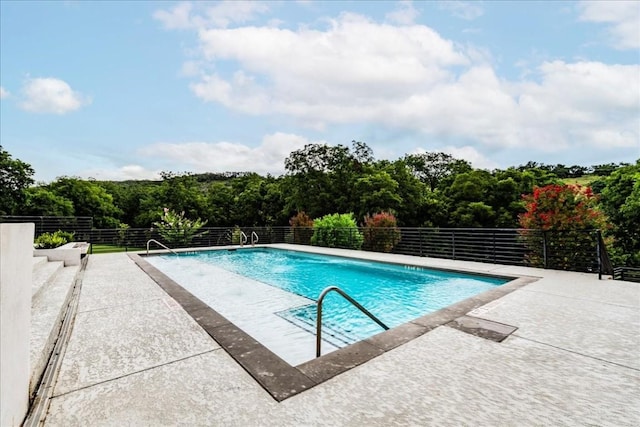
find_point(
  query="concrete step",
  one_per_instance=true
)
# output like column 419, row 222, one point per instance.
column 46, row 318
column 38, row 260
column 43, row 273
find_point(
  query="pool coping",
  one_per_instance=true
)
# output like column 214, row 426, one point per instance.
column 279, row 378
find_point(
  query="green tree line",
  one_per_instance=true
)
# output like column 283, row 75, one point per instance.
column 431, row 189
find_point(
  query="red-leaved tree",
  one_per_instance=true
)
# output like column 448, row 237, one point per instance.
column 301, row 228
column 381, row 233
column 562, row 207
column 565, row 214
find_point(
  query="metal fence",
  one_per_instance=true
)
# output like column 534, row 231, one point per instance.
column 561, row 250
column 79, row 225
column 629, row 274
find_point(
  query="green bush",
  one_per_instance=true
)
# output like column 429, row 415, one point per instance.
column 337, row 231
column 381, row 233
column 236, row 235
column 178, row 230
column 53, row 240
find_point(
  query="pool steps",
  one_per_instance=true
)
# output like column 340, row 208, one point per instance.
column 305, row 318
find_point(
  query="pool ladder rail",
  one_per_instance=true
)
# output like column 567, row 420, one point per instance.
column 160, row 244
column 348, row 298
column 244, row 238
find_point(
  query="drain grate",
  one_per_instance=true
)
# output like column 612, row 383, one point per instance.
column 482, row 328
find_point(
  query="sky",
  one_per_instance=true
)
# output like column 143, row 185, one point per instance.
column 124, row 90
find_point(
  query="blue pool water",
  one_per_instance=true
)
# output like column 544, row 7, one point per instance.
column 395, row 294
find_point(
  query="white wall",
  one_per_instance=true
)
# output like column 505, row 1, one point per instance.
column 16, row 266
column 70, row 256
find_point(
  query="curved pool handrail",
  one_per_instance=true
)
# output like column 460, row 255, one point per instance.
column 160, row 244
column 348, row 298
column 243, row 238
column 254, row 234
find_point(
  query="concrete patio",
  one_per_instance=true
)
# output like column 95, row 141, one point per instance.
column 135, row 357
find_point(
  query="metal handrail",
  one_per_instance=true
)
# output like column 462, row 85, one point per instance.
column 160, row 244
column 348, row 298
column 254, row 234
column 243, row 238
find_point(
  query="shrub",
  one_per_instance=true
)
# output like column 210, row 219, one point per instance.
column 236, row 235
column 53, row 240
column 122, row 233
column 381, row 233
column 301, row 230
column 178, row 230
column 337, row 231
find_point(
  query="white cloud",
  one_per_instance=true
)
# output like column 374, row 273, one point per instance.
column 623, row 18
column 178, row 18
column 51, row 95
column 128, row 172
column 463, row 9
column 357, row 68
column 405, row 14
column 4, row 93
column 467, row 152
column 471, row 155
column 268, row 157
column 185, row 15
column 408, row 78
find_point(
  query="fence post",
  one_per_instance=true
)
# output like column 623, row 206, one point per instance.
column 599, row 254
column 453, row 243
column 544, row 248
column 494, row 246
column 420, row 240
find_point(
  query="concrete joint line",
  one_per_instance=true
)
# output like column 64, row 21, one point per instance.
column 40, row 403
column 576, row 352
column 119, row 305
column 136, row 372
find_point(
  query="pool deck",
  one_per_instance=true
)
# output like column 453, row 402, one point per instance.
column 135, row 357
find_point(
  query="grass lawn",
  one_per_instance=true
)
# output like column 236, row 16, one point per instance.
column 583, row 180
column 103, row 249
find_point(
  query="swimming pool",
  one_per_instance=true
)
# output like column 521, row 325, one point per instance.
column 271, row 293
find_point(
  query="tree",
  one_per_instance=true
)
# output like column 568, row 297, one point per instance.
column 15, row 178
column 40, row 201
column 248, row 209
column 89, row 199
column 562, row 207
column 220, row 201
column 621, row 202
column 377, row 192
column 570, row 212
column 130, row 196
column 321, row 177
column 431, row 168
column 471, row 199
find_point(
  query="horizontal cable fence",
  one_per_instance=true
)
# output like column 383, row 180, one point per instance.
column 629, row 274
column 576, row 250
column 79, row 225
column 558, row 250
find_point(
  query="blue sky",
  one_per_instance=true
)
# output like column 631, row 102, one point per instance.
column 123, row 90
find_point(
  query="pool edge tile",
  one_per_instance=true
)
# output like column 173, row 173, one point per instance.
column 328, row 366
column 282, row 380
